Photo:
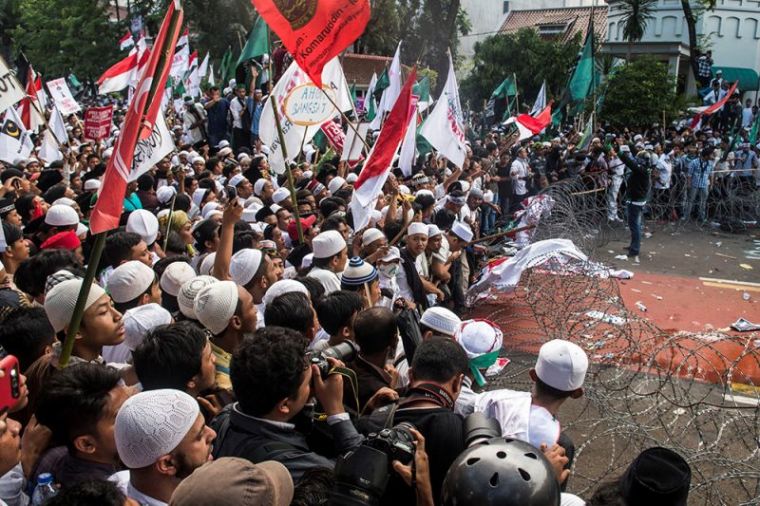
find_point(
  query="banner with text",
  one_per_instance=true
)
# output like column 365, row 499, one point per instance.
column 97, row 122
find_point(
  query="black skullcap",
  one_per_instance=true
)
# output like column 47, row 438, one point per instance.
column 657, row 476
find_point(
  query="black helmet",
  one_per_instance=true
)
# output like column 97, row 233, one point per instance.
column 503, row 472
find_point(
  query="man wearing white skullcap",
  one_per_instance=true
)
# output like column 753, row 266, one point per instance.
column 101, row 323
column 162, row 438
column 227, row 311
column 188, row 291
column 481, row 340
column 559, row 375
column 175, row 275
column 410, row 284
column 264, row 190
column 336, row 184
column 138, row 322
column 330, row 258
column 460, row 268
column 133, row 284
column 374, row 245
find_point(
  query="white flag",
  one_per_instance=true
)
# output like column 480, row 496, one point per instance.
column 15, row 140
column 57, row 126
column 444, row 128
column 211, row 81
column 203, row 69
column 181, row 62
column 302, row 108
column 408, row 147
column 540, row 102
column 391, row 93
column 352, row 147
column 11, row 90
column 150, row 151
column 49, row 151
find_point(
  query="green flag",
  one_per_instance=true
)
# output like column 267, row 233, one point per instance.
column 352, row 90
column 224, row 66
column 74, row 82
column 587, row 134
column 583, row 75
column 369, row 106
column 382, row 82
column 257, row 43
column 754, row 130
column 506, row 89
column 422, row 90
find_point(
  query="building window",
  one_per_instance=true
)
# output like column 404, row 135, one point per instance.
column 505, row 7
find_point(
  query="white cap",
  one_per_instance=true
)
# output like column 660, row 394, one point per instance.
column 210, row 207
column 478, row 337
column 198, row 195
column 352, row 178
column 225, row 151
column 61, row 299
column 236, row 180
column 244, row 264
column 165, row 194
column 371, row 235
column 92, row 184
column 140, row 320
column 417, row 228
column 215, row 305
column 335, row 184
column 223, row 143
column 152, row 424
column 176, row 275
column 392, row 255
column 197, row 158
column 562, row 365
column 462, row 230
column 61, row 216
column 188, row 291
column 307, row 260
column 433, row 230
column 327, row 244
column 404, row 189
column 258, row 186
column 64, row 201
column 282, row 287
column 280, row 194
column 441, row 320
column 143, row 223
column 207, row 265
column 129, row 280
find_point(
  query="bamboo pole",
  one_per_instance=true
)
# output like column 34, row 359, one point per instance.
column 287, row 168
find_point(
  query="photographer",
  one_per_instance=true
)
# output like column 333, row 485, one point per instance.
column 436, row 376
column 273, row 382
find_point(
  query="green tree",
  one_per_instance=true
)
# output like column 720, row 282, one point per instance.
column 636, row 16
column 383, row 29
column 531, row 58
column 62, row 36
column 638, row 93
column 10, row 16
column 691, row 15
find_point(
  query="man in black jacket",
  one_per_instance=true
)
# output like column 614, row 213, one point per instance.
column 639, row 183
column 273, row 381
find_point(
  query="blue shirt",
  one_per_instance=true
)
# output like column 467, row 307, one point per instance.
column 255, row 109
column 744, row 162
column 699, row 172
column 217, row 118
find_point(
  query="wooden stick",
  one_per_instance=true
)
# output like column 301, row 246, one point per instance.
column 506, row 233
column 589, row 191
column 343, row 115
column 287, row 168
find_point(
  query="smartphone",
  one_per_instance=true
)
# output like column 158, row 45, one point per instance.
column 10, row 383
column 231, row 193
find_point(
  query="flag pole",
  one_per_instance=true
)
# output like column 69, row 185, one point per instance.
column 287, row 168
column 593, row 69
column 345, row 118
column 100, row 241
column 517, row 95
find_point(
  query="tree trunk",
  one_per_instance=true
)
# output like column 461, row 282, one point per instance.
column 691, row 24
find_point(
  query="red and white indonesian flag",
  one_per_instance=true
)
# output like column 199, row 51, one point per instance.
column 126, row 42
column 528, row 126
column 31, row 107
column 139, row 123
column 375, row 171
column 118, row 76
column 444, row 128
column 711, row 109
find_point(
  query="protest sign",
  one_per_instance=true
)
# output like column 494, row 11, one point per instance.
column 62, row 97
column 335, row 135
column 10, row 89
column 97, row 122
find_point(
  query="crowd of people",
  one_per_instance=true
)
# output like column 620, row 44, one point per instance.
column 243, row 343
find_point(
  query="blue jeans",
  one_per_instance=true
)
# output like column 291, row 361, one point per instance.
column 634, row 224
column 488, row 220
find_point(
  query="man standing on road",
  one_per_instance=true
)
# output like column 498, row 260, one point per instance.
column 698, row 180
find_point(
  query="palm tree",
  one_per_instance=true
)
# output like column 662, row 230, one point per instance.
column 636, row 15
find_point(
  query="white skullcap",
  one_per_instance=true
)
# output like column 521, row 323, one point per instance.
column 64, row 201
column 143, row 223
column 562, row 365
column 61, row 299
column 417, row 228
column 274, row 208
column 244, row 264
column 130, row 280
column 224, row 143
column 197, row 159
column 92, row 184
column 210, row 207
column 280, row 194
column 258, row 186
column 392, row 255
column 176, row 275
column 465, row 186
column 335, row 184
column 371, row 235
column 375, row 216
column 198, row 196
column 433, row 230
column 462, row 230
column 478, row 337
column 140, row 320
column 307, row 174
column 152, row 424
column 307, row 260
column 165, row 194
column 207, row 265
column 225, row 151
column 441, row 320
column 188, row 291
column 236, row 180
column 404, row 189
column 327, row 244
column 282, row 287
column 352, row 178
column 424, row 192
column 164, row 212
column 215, row 304
column 249, row 215
column 61, row 216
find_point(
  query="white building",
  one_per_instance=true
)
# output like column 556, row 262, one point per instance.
column 731, row 31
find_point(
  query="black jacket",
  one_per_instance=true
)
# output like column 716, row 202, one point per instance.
column 239, row 435
column 639, row 180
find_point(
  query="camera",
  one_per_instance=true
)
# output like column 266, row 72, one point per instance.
column 478, row 428
column 362, row 475
column 345, row 352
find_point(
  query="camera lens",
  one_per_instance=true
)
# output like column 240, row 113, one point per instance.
column 478, row 428
column 345, row 351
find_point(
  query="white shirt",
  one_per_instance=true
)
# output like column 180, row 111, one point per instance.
column 664, row 169
column 330, row 281
column 235, row 109
column 123, row 483
column 746, row 117
column 616, row 166
column 519, row 170
column 518, row 417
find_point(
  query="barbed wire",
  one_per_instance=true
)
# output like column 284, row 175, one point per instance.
column 697, row 393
